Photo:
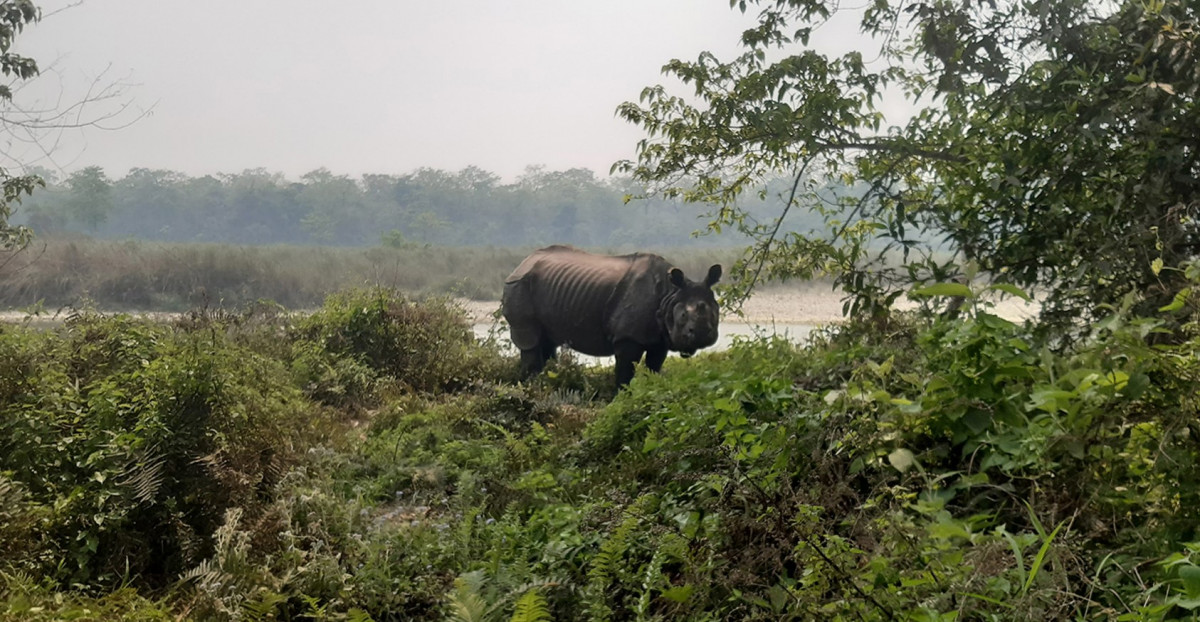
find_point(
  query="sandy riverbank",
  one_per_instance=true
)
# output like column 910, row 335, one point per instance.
column 809, row 305
column 813, row 305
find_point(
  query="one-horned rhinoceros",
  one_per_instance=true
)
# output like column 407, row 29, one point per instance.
column 603, row 305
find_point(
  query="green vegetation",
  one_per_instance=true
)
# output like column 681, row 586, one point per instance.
column 372, row 461
column 14, row 16
column 151, row 276
column 1043, row 143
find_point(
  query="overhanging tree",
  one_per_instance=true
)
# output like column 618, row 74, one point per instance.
column 32, row 129
column 14, row 16
column 1052, row 144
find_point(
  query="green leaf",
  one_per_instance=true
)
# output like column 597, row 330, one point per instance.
column 1051, row 400
column 948, row 531
column 1138, row 383
column 977, row 420
column 1016, row 549
column 1116, row 379
column 678, row 593
column 945, row 289
column 901, row 459
column 1178, row 302
column 725, row 404
column 1010, row 289
column 1040, row 558
column 1190, row 575
column 1190, row 604
column 778, row 596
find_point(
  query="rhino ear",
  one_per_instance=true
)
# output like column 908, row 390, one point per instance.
column 714, row 275
column 676, row 276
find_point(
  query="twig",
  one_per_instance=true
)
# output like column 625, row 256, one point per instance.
column 766, row 249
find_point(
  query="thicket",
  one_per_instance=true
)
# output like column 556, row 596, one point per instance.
column 372, row 461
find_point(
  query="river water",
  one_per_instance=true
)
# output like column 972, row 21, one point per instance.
column 729, row 331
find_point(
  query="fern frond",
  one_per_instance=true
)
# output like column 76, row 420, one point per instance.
column 206, row 572
column 12, row 495
column 650, row 579
column 605, row 565
column 467, row 603
column 19, row 582
column 145, row 476
column 265, row 606
column 531, row 607
column 564, row 396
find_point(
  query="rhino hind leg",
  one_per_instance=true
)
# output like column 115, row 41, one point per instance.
column 527, row 334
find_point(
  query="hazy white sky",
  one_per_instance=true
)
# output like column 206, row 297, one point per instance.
column 366, row 86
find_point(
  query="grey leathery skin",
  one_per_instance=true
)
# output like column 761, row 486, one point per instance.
column 603, row 305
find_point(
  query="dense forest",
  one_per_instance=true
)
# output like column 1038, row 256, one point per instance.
column 428, row 206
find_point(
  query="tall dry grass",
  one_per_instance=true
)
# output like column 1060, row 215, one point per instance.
column 155, row 276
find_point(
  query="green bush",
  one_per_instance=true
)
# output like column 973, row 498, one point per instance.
column 131, row 439
column 424, row 346
column 23, row 599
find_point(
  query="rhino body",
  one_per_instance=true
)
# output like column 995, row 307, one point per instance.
column 603, row 305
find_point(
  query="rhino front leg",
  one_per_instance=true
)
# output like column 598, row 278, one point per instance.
column 533, row 361
column 628, row 354
column 655, row 355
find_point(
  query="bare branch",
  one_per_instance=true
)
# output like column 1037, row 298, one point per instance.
column 37, row 124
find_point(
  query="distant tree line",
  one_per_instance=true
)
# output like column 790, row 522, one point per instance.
column 429, row 206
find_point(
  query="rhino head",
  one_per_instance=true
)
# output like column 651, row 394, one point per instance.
column 690, row 314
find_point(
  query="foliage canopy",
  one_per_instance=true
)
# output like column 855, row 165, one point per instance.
column 14, row 16
column 1049, row 143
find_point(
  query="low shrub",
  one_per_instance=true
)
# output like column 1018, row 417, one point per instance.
column 130, row 440
column 24, row 599
column 423, row 346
